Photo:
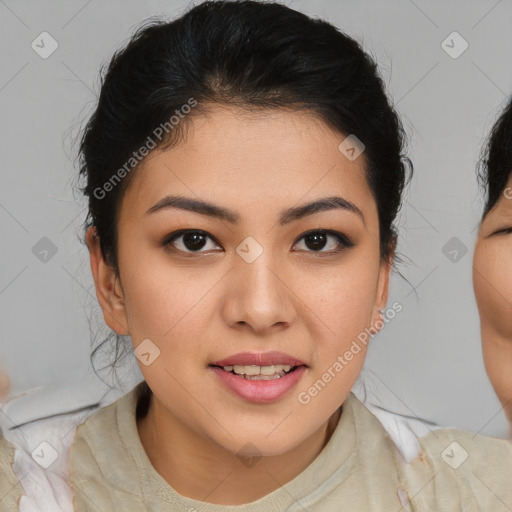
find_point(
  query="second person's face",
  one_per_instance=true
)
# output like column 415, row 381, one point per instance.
column 492, row 280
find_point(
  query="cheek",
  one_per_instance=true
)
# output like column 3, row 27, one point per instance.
column 339, row 302
column 492, row 277
column 345, row 302
column 164, row 302
column 170, row 309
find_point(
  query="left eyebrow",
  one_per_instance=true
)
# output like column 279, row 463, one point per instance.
column 286, row 216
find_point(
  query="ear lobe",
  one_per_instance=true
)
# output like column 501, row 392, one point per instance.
column 109, row 293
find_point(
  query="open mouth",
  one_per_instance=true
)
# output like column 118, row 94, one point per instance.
column 253, row 372
column 259, row 384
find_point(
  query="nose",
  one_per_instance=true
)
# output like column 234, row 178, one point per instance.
column 260, row 297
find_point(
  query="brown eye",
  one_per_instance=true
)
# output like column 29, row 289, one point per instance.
column 188, row 241
column 316, row 241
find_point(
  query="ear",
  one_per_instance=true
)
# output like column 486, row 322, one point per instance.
column 108, row 286
column 381, row 298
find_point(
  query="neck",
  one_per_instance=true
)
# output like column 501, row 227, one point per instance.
column 198, row 468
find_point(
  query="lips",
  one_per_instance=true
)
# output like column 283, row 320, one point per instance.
column 259, row 359
column 260, row 391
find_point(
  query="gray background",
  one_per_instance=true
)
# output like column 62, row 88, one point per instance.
column 427, row 361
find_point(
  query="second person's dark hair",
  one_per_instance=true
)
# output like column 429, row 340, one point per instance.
column 495, row 165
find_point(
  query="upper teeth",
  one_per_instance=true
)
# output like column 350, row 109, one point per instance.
column 258, row 370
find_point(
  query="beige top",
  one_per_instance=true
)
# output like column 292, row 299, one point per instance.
column 359, row 470
column 10, row 488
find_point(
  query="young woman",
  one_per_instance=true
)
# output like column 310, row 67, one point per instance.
column 244, row 169
column 492, row 261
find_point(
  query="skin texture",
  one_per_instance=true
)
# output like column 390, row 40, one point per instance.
column 492, row 281
column 199, row 308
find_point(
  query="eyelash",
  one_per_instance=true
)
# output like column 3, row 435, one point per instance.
column 503, row 231
column 342, row 239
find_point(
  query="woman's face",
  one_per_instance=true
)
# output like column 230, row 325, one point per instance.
column 252, row 282
column 492, row 280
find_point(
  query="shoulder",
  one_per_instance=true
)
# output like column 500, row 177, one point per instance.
column 106, row 456
column 460, row 469
column 110, row 418
column 97, row 437
column 482, row 462
column 446, row 467
column 39, row 428
column 462, row 445
column 110, row 431
column 40, row 458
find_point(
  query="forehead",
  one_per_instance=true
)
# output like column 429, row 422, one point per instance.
column 242, row 157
